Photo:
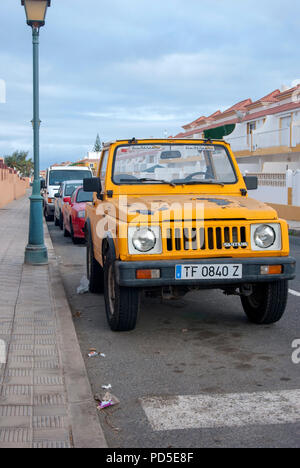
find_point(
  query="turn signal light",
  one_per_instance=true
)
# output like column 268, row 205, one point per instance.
column 271, row 269
column 147, row 274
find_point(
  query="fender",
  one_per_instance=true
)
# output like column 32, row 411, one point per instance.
column 110, row 242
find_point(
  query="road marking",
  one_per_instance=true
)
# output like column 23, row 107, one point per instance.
column 230, row 410
column 295, row 293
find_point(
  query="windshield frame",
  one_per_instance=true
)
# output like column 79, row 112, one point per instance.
column 158, row 183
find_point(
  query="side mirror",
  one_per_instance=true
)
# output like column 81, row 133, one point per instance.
column 92, row 185
column 67, row 200
column 57, row 195
column 251, row 182
column 43, row 184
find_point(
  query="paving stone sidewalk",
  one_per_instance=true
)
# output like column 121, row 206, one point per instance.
column 35, row 402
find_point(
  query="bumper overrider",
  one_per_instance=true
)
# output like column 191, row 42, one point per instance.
column 126, row 272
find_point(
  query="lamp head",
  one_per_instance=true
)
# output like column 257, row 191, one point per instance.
column 36, row 11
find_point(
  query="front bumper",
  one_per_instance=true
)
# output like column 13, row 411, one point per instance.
column 126, row 272
column 78, row 226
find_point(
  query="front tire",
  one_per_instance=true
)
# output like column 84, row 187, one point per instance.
column 61, row 221
column 267, row 303
column 66, row 232
column 122, row 304
column 75, row 240
column 48, row 217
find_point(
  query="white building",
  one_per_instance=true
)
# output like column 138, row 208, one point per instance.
column 263, row 134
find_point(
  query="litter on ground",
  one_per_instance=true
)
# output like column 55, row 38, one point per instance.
column 83, row 288
column 93, row 353
column 107, row 401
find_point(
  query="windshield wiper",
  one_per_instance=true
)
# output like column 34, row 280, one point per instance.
column 203, row 182
column 146, row 179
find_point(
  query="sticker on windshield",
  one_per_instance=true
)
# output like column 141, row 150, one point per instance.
column 201, row 148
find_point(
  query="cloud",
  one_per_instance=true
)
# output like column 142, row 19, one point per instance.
column 139, row 67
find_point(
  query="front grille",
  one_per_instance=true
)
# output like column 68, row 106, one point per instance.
column 206, row 238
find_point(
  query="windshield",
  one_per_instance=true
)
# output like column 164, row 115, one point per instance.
column 83, row 197
column 175, row 164
column 57, row 177
column 70, row 189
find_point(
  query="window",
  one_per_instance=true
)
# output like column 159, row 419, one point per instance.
column 104, row 167
column 251, row 127
column 70, row 188
column 84, row 197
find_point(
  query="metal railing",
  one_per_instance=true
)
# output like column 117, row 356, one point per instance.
column 284, row 137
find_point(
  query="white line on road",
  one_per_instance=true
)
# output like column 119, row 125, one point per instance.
column 230, row 410
column 295, row 293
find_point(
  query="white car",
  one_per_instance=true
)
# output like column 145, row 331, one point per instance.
column 54, row 177
column 64, row 196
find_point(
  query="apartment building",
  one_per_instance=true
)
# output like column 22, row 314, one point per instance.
column 264, row 134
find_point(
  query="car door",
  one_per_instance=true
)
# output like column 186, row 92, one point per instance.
column 60, row 199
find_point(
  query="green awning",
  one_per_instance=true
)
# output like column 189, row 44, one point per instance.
column 219, row 133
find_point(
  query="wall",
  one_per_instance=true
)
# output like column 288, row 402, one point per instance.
column 12, row 186
column 282, row 191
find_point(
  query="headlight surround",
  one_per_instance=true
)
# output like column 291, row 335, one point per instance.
column 144, row 239
column 264, row 236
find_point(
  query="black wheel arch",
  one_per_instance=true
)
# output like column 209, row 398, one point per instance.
column 108, row 244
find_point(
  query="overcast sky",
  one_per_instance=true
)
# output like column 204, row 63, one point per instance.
column 125, row 68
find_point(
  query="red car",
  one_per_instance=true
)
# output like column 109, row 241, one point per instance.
column 74, row 215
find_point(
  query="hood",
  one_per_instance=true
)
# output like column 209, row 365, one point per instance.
column 80, row 206
column 192, row 207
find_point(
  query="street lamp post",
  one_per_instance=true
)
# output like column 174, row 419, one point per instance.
column 36, row 251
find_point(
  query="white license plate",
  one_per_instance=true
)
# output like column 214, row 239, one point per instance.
column 208, row 272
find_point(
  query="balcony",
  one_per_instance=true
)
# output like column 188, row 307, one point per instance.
column 268, row 139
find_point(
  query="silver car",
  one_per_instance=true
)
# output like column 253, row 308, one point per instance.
column 63, row 196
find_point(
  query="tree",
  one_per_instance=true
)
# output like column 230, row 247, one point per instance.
column 18, row 161
column 98, row 146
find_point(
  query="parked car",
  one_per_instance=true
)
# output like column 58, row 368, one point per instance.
column 54, row 177
column 188, row 225
column 74, row 215
column 64, row 196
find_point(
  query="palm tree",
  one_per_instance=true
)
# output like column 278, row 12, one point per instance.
column 18, row 161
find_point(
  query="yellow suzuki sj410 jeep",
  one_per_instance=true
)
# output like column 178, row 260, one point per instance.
column 170, row 216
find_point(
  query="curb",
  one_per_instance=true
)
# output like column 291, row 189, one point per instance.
column 85, row 426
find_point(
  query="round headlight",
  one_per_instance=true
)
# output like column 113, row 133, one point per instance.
column 144, row 240
column 264, row 236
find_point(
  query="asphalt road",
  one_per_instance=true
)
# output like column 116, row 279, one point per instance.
column 198, row 346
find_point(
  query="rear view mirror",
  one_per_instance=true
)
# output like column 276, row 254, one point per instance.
column 251, row 182
column 92, row 185
column 170, row 155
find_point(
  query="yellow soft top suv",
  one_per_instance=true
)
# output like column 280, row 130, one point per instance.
column 170, row 216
